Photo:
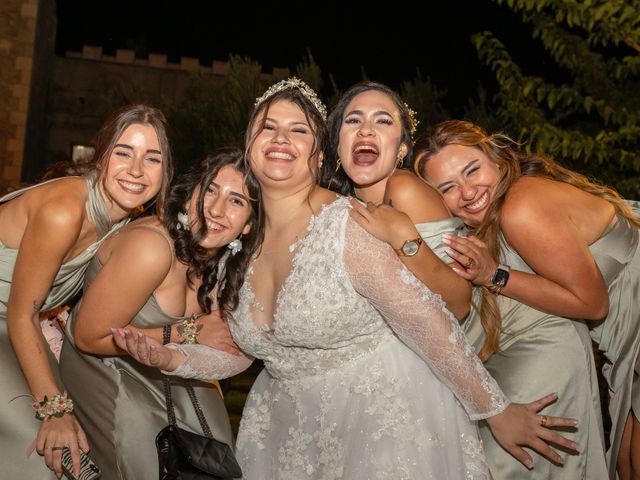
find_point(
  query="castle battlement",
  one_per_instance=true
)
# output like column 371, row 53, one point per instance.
column 159, row 60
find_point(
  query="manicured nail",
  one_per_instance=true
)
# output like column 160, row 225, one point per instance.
column 529, row 463
column 446, row 240
column 449, row 252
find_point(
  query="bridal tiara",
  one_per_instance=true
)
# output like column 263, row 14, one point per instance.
column 302, row 87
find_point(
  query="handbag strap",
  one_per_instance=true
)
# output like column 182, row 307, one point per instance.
column 171, row 415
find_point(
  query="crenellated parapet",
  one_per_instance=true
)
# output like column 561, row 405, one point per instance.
column 160, row 60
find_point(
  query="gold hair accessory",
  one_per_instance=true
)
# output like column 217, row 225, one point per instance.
column 412, row 119
column 189, row 329
column 298, row 84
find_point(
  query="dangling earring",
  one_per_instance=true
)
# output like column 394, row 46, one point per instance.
column 235, row 246
column 183, row 221
column 399, row 159
column 320, row 165
column 337, row 165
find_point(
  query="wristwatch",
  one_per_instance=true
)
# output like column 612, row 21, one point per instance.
column 499, row 279
column 409, row 247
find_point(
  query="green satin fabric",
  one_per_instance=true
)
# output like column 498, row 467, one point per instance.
column 18, row 427
column 617, row 255
column 539, row 354
column 121, row 403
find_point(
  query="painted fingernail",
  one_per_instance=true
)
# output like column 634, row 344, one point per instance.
column 529, row 463
column 446, row 241
column 449, row 252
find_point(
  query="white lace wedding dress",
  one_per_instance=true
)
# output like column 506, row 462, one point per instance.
column 367, row 375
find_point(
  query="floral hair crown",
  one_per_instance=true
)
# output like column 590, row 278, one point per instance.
column 302, row 87
column 412, row 119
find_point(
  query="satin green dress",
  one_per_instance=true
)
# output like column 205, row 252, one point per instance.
column 120, row 402
column 539, row 354
column 18, row 426
column 617, row 255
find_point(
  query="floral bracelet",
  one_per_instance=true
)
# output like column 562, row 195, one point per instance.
column 57, row 406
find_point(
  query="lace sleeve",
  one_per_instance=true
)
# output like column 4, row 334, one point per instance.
column 421, row 321
column 206, row 363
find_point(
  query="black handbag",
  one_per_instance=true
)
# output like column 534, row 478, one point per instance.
column 184, row 455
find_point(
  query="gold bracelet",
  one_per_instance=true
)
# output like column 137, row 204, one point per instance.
column 189, row 329
column 495, row 289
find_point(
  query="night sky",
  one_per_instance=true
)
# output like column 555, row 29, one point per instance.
column 390, row 44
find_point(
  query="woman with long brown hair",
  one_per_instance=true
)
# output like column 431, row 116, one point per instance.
column 571, row 243
column 48, row 234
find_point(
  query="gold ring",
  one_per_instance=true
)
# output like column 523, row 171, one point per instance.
column 470, row 263
column 543, row 420
column 57, row 448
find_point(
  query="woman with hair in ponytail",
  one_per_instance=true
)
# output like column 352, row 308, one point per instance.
column 171, row 272
column 550, row 238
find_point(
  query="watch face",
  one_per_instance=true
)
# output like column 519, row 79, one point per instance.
column 410, row 248
column 500, row 277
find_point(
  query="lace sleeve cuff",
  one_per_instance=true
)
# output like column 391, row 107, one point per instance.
column 205, row 363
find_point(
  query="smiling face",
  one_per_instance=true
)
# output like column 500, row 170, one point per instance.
column 226, row 208
column 134, row 172
column 467, row 179
column 370, row 138
column 280, row 151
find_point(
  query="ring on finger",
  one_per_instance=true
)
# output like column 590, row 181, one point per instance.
column 57, row 448
column 543, row 420
column 470, row 263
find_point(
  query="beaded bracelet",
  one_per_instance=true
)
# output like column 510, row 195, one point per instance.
column 57, row 406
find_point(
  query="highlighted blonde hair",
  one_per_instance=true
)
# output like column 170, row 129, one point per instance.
column 500, row 149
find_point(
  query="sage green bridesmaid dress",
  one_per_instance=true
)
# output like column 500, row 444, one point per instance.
column 538, row 354
column 120, row 402
column 18, row 425
column 617, row 255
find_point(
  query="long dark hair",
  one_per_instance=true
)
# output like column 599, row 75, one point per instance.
column 334, row 177
column 200, row 260
column 113, row 128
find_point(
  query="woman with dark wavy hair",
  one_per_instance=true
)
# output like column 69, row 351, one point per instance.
column 571, row 246
column 48, row 234
column 170, row 272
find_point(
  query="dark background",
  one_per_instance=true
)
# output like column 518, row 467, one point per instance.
column 390, row 44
